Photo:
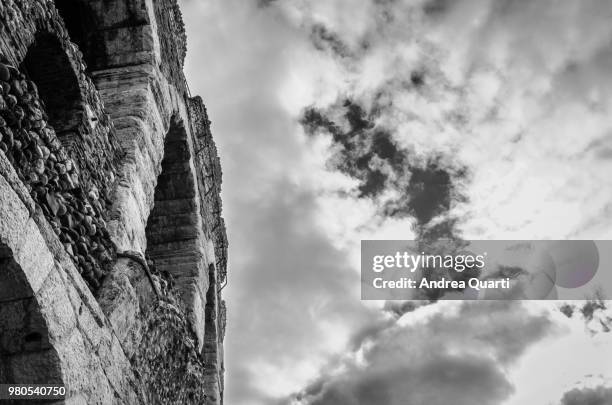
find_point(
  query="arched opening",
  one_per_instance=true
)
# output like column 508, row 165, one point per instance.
column 48, row 66
column 172, row 225
column 26, row 356
column 174, row 236
column 82, row 27
column 68, row 173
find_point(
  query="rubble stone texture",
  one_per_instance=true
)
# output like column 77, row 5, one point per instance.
column 113, row 251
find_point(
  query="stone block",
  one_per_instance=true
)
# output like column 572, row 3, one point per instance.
column 11, row 226
column 56, row 307
column 194, row 302
column 178, row 206
column 82, row 370
column 90, row 328
column 33, row 256
column 117, row 369
column 121, row 12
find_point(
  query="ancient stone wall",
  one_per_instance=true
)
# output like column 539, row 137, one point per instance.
column 113, row 251
column 209, row 173
column 56, row 134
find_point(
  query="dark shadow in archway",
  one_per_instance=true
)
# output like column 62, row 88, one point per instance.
column 26, row 356
column 48, row 66
column 83, row 29
column 172, row 230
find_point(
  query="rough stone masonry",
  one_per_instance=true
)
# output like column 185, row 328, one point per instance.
column 113, row 251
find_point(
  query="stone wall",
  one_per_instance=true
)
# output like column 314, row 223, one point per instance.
column 113, row 251
column 68, row 174
column 25, row 351
column 172, row 41
column 74, row 343
column 209, row 175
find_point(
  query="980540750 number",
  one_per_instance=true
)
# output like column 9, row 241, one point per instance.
column 32, row 391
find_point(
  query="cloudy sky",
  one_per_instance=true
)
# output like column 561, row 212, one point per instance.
column 342, row 120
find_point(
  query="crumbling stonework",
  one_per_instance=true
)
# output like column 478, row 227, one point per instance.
column 113, row 251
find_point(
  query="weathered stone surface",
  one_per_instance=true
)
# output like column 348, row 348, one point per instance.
column 120, row 302
column 209, row 174
column 159, row 364
column 70, row 182
column 102, row 152
column 51, row 335
column 32, row 254
column 13, row 225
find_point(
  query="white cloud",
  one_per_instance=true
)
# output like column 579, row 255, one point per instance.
column 517, row 92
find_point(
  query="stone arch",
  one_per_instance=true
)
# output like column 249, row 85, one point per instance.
column 49, row 67
column 65, row 155
column 26, row 354
column 173, row 219
column 174, row 228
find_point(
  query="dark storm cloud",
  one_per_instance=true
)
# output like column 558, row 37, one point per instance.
column 457, row 358
column 421, row 189
column 425, row 187
column 368, row 153
column 588, row 396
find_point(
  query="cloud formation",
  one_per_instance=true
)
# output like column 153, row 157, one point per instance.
column 368, row 153
column 492, row 86
column 395, row 119
column 454, row 353
column 588, row 396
